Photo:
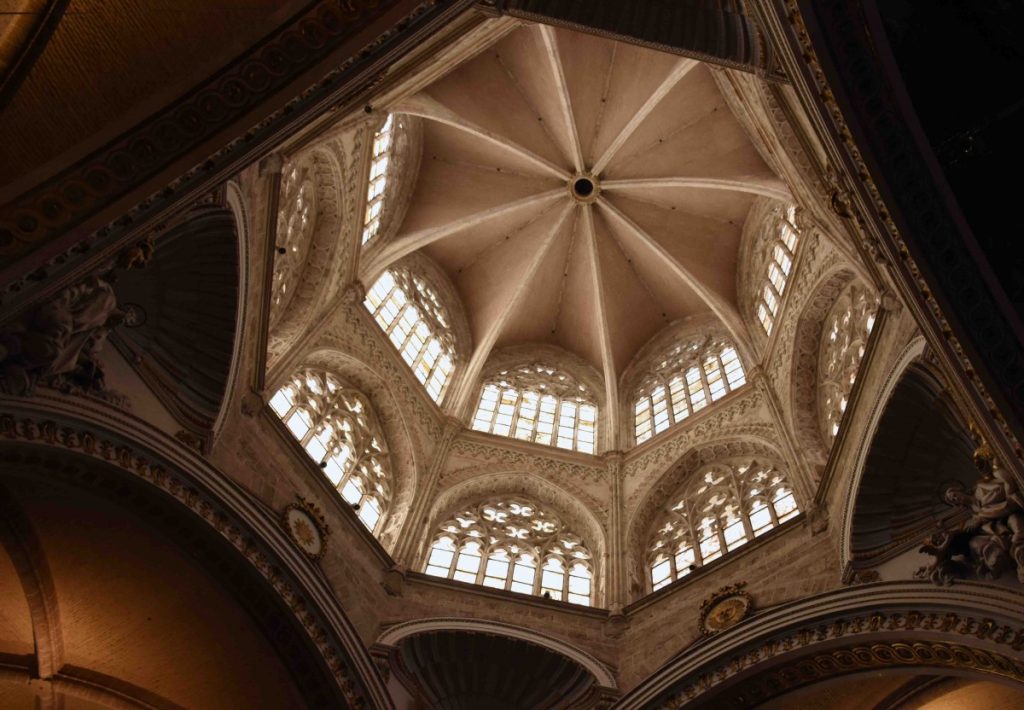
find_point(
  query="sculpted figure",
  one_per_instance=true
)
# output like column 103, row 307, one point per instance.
column 57, row 344
column 991, row 541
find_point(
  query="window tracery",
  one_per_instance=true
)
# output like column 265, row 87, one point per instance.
column 723, row 508
column 381, row 158
column 513, row 544
column 538, row 403
column 410, row 312
column 338, row 428
column 294, row 224
column 780, row 263
column 690, row 376
column 844, row 338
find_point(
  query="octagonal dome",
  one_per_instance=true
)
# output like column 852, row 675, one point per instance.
column 579, row 192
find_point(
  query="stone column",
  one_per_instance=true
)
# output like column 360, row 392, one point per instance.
column 616, row 574
column 270, row 171
column 414, row 527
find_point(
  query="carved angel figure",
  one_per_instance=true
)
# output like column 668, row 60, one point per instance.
column 991, row 541
column 58, row 343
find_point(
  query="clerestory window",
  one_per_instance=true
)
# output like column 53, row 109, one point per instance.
column 513, row 544
column 723, row 508
column 687, row 379
column 541, row 404
column 780, row 264
column 379, row 162
column 844, row 338
column 294, row 225
column 338, row 428
column 409, row 311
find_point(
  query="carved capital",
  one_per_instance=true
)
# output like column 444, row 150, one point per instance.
column 251, row 403
column 355, row 293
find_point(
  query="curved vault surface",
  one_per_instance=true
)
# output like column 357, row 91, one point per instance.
column 580, row 192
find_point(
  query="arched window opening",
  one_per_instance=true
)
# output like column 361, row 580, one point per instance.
column 844, row 338
column 780, row 264
column 382, row 142
column 723, row 508
column 337, row 427
column 294, row 223
column 513, row 544
column 688, row 378
column 538, row 403
column 409, row 311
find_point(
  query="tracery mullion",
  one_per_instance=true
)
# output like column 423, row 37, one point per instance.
column 741, row 500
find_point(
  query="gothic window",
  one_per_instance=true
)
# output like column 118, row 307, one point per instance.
column 687, row 379
column 382, row 142
column 409, row 311
column 540, row 404
column 780, row 264
column 294, row 223
column 514, row 544
column 844, row 338
column 723, row 508
column 337, row 427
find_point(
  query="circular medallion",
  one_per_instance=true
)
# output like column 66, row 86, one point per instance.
column 725, row 608
column 304, row 530
column 134, row 315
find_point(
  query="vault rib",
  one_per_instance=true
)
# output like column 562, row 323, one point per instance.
column 725, row 312
column 428, row 108
column 460, row 400
column 404, row 245
column 611, row 385
column 551, row 44
column 681, row 69
column 763, row 188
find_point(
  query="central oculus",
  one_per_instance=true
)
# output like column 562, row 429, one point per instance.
column 584, row 188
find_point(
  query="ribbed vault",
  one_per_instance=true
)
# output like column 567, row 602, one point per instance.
column 581, row 193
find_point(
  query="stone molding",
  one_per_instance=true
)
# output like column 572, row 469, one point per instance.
column 986, row 618
column 254, row 531
column 601, row 672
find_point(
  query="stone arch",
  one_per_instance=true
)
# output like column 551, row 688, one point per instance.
column 405, row 457
column 908, row 355
column 237, row 203
column 970, row 629
column 921, row 445
column 101, row 450
column 394, row 634
column 642, row 518
column 473, row 485
column 804, row 368
column 705, row 326
column 312, row 285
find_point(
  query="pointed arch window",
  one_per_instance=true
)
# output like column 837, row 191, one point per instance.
column 541, row 404
column 780, row 264
column 725, row 507
column 844, row 339
column 687, row 379
column 382, row 141
column 409, row 311
column 513, row 544
column 338, row 428
column 294, row 225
